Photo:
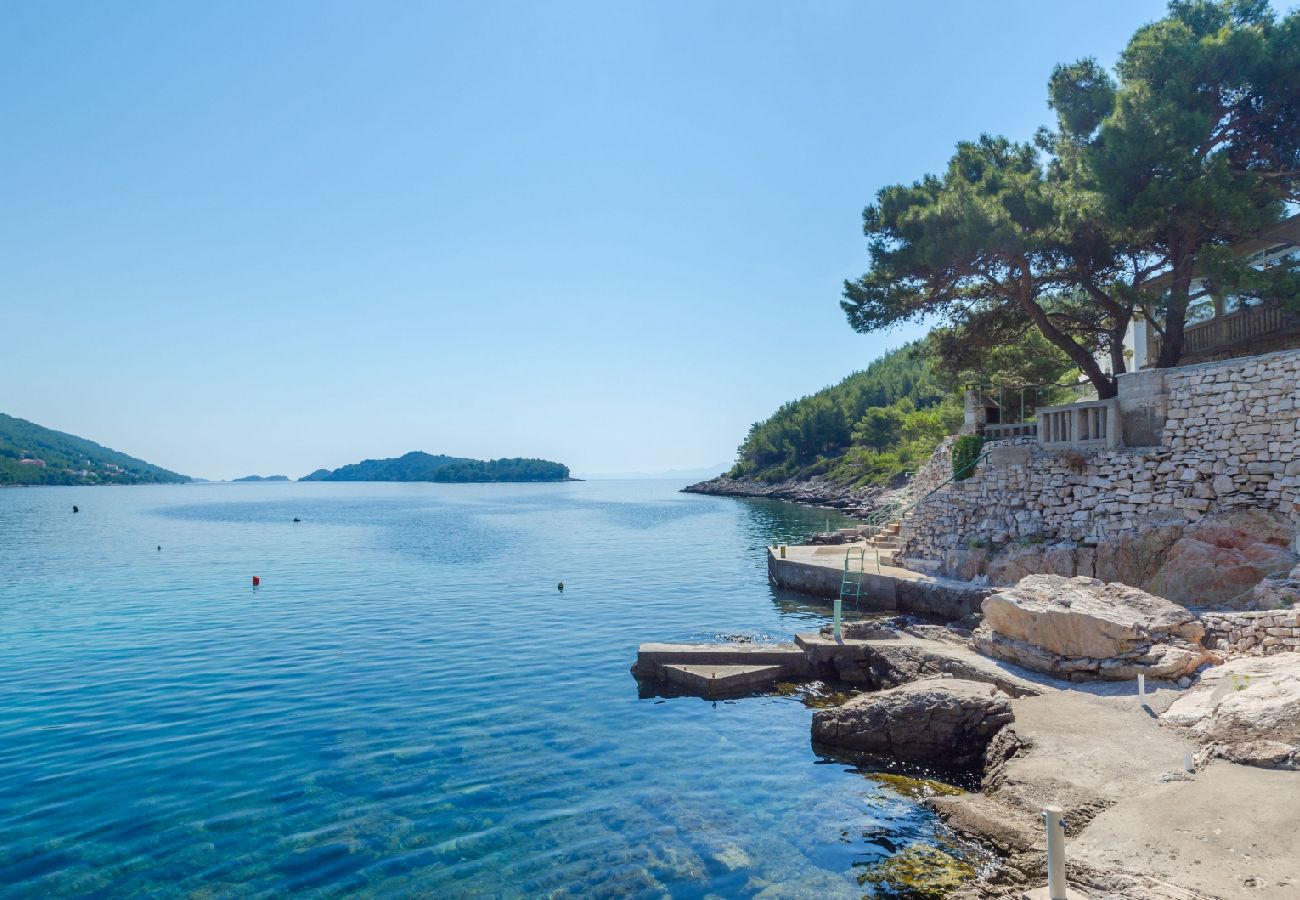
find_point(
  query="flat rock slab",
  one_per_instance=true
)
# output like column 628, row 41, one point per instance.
column 1082, row 628
column 889, row 662
column 1084, row 752
column 1248, row 711
column 1231, row 832
column 712, row 681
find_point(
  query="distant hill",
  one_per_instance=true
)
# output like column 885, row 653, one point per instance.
column 263, row 478
column 418, row 466
column 32, row 454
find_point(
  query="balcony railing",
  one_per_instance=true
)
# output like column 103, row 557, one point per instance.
column 1089, row 425
column 1231, row 329
column 1010, row 430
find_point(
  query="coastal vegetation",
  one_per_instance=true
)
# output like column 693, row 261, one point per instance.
column 1032, row 259
column 31, row 454
column 419, row 466
column 1146, row 179
column 887, row 419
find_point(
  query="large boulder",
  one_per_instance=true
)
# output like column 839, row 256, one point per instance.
column 1247, row 710
column 1276, row 591
column 1218, row 561
column 1082, row 628
column 945, row 722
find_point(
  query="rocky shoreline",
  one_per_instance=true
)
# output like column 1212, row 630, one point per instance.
column 1171, row 795
column 819, row 492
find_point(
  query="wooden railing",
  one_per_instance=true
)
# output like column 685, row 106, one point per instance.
column 1233, row 328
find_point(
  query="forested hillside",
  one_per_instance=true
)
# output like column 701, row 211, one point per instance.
column 418, row 466
column 31, row 454
column 868, row 428
column 887, row 419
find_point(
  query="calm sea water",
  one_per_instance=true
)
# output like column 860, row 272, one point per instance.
column 407, row 704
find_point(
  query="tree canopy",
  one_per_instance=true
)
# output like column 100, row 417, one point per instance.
column 1147, row 179
column 420, row 466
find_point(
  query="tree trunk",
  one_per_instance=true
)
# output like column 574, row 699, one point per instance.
column 1104, row 383
column 1118, row 365
column 1180, row 289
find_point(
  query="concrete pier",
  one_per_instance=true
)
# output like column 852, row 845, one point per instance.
column 713, row 670
column 819, row 571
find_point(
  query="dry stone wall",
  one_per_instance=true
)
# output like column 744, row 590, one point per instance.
column 1229, row 444
column 1260, row 633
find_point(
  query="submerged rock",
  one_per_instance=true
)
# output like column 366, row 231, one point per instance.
column 1082, row 628
column 945, row 722
column 920, row 872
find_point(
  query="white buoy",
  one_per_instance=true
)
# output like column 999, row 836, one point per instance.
column 1056, row 889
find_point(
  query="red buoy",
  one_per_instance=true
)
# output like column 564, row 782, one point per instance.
column 256, row 581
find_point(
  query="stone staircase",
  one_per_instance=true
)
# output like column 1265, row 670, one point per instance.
column 886, row 538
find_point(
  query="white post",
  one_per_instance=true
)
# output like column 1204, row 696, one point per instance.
column 1055, row 854
column 838, row 602
column 1142, row 689
column 1188, row 764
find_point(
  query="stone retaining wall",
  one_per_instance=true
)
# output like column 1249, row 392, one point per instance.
column 1229, row 443
column 1257, row 633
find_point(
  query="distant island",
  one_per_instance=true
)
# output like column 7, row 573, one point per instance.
column 263, row 478
column 32, row 454
column 418, row 466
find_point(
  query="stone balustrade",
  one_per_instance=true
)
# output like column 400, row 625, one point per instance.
column 1092, row 424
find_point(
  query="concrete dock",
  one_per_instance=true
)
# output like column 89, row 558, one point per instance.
column 818, row 570
column 716, row 670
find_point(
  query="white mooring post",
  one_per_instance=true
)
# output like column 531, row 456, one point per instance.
column 1142, row 689
column 1055, row 853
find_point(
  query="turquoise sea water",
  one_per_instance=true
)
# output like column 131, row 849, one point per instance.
column 407, row 704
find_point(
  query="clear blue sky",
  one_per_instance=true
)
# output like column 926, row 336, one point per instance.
column 249, row 237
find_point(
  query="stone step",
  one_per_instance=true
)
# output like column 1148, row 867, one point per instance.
column 648, row 655
column 711, row 681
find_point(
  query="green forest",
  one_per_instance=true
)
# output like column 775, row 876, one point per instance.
column 887, row 419
column 870, row 427
column 419, row 466
column 58, row 458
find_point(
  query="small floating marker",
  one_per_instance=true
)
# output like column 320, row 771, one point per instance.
column 256, row 581
column 296, row 519
column 75, row 509
column 160, row 548
column 560, row 587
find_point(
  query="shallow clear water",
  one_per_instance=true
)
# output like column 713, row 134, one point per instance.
column 407, row 704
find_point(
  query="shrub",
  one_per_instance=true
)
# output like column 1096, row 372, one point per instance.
column 965, row 451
